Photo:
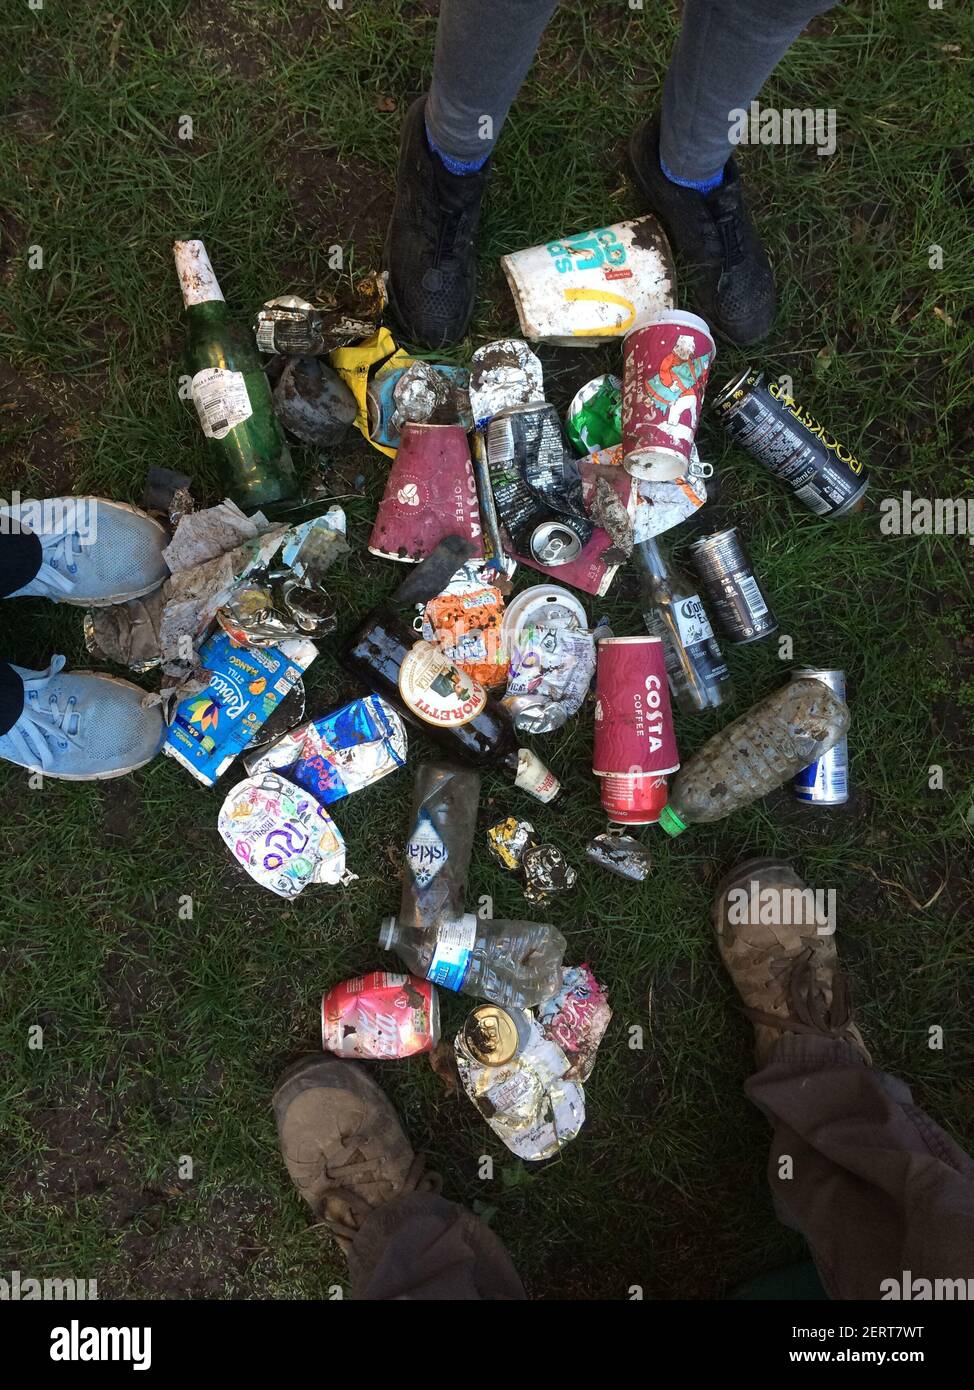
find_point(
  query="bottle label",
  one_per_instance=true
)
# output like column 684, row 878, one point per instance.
column 221, row 400
column 435, row 690
column 451, row 954
column 534, row 778
column 426, row 852
column 691, row 621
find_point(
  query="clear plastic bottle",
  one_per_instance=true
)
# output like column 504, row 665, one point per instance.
column 673, row 612
column 438, row 849
column 517, row 964
column 762, row 750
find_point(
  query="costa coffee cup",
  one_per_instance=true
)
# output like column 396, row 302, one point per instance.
column 430, row 493
column 633, row 722
column 666, row 363
column 635, row 799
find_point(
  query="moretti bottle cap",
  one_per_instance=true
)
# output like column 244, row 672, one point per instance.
column 671, row 822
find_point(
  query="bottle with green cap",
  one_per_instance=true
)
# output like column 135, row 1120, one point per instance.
column 230, row 390
column 762, row 750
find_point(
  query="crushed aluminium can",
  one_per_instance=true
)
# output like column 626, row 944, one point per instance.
column 576, row 1019
column 546, row 873
column 620, row 854
column 527, row 1100
column 380, row 1016
column 594, row 418
column 826, row 781
column 743, row 613
column 778, row 432
column 592, row 286
column 508, row 839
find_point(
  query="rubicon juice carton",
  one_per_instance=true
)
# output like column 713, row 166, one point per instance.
column 246, row 684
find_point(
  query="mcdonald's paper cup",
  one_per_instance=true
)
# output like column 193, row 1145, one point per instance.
column 633, row 722
column 593, row 286
column 430, row 493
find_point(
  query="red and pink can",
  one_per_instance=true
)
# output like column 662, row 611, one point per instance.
column 666, row 365
column 635, row 746
column 430, row 493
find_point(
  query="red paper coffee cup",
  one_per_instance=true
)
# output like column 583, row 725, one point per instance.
column 633, row 721
column 431, row 493
column 666, row 364
column 634, row 800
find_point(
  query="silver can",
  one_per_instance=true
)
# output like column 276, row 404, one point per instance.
column 824, row 782
column 555, row 543
column 743, row 613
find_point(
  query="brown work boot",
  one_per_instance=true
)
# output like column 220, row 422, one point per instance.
column 778, row 945
column 343, row 1144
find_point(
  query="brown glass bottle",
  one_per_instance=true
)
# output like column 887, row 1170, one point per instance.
column 376, row 654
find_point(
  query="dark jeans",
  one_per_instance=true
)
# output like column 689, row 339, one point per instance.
column 876, row 1188
column 724, row 54
column 20, row 559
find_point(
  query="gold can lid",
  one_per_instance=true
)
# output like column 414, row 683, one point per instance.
column 490, row 1035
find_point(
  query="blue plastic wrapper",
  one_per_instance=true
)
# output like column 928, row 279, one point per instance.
column 341, row 752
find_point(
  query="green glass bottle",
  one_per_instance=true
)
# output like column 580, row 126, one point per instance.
column 230, row 390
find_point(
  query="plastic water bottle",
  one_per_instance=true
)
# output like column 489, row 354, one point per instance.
column 762, row 750
column 517, row 964
column 437, row 857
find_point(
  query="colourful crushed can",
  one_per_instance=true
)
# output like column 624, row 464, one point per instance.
column 380, row 1016
column 592, row 286
column 246, row 685
column 340, row 753
column 430, row 493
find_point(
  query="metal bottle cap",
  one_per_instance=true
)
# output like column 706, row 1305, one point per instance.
column 490, row 1035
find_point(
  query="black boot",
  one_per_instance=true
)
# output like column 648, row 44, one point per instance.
column 715, row 237
column 430, row 251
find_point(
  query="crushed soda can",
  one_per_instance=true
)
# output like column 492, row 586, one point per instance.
column 659, row 506
column 386, row 420
column 551, row 671
column 340, row 753
column 380, row 1016
column 282, row 836
column 594, row 419
column 620, row 854
column 313, row 403
column 576, row 1019
column 508, row 840
column 546, row 873
column 297, row 328
column 526, row 1100
column 466, row 622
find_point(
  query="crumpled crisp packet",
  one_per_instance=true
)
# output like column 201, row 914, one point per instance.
column 551, row 671
column 465, row 621
column 282, row 836
column 576, row 1018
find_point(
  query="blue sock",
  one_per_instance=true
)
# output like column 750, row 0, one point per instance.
column 455, row 166
column 701, row 185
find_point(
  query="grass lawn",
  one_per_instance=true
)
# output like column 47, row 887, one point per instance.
column 163, row 1036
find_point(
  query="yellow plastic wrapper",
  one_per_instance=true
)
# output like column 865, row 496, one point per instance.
column 353, row 365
